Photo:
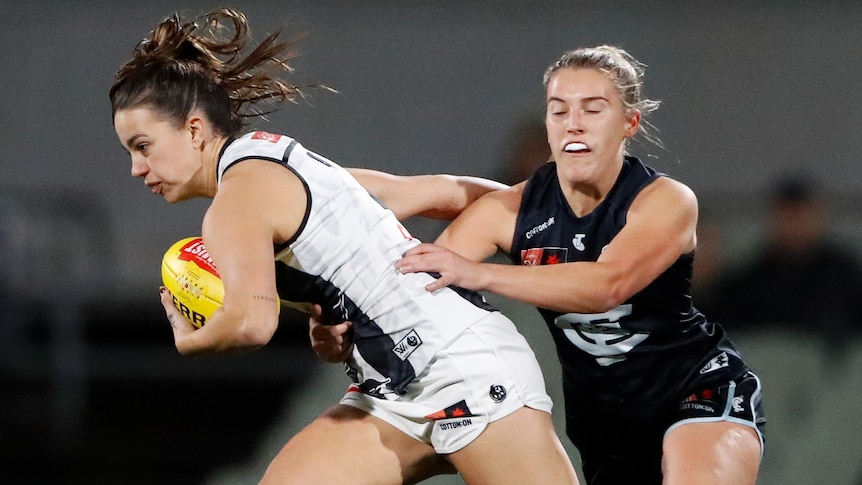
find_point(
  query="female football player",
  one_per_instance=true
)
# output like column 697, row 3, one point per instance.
column 603, row 246
column 440, row 380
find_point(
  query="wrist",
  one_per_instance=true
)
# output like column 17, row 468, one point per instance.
column 484, row 276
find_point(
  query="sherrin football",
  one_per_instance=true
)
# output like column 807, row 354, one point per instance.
column 189, row 274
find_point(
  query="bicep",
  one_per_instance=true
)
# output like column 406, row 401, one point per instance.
column 483, row 228
column 660, row 227
column 248, row 215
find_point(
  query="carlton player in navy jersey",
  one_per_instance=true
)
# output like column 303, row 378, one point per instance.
column 441, row 381
column 603, row 246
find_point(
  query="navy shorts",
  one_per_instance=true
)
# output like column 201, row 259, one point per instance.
column 617, row 450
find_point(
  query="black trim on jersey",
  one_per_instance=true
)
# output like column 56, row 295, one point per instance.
column 320, row 158
column 375, row 346
column 233, row 163
column 474, row 297
column 285, row 162
column 224, row 147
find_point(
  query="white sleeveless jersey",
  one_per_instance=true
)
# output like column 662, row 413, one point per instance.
column 343, row 257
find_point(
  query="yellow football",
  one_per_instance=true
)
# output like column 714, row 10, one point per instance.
column 189, row 274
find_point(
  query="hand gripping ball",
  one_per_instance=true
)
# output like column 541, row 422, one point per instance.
column 189, row 274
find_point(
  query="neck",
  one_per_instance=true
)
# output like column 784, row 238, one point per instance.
column 584, row 195
column 210, row 155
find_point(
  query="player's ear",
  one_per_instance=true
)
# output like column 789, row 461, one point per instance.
column 196, row 127
column 633, row 122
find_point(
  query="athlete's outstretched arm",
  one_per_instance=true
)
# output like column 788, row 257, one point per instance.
column 434, row 196
column 660, row 227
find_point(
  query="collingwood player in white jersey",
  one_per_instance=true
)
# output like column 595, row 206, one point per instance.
column 441, row 381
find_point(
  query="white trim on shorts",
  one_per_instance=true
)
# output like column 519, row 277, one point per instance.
column 725, row 415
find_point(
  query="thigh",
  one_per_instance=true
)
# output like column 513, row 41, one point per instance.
column 718, row 435
column 519, row 448
column 719, row 452
column 348, row 446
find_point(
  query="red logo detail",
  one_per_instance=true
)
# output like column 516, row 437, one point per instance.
column 262, row 135
column 532, row 257
column 707, row 394
column 438, row 415
column 196, row 252
column 456, row 410
column 538, row 256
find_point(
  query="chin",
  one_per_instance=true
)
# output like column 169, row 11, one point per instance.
column 171, row 198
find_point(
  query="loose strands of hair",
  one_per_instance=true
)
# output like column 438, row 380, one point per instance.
column 248, row 80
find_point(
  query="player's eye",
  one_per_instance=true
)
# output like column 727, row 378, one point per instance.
column 593, row 107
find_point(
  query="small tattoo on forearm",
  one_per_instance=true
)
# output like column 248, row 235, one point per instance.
column 264, row 297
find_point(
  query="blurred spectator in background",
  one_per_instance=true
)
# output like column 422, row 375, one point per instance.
column 709, row 264
column 800, row 276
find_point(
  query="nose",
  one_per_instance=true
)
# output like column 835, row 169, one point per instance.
column 574, row 122
column 139, row 167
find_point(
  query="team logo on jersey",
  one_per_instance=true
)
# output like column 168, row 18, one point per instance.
column 539, row 256
column 737, row 404
column 497, row 393
column 262, row 135
column 407, row 345
column 715, row 363
column 541, row 227
column 578, row 242
column 601, row 334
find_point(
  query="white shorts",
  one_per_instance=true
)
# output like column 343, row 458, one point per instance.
column 486, row 374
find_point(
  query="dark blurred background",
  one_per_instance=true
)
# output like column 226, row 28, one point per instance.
column 760, row 115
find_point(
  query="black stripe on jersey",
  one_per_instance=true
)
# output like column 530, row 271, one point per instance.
column 285, row 162
column 372, row 342
column 321, row 159
column 474, row 297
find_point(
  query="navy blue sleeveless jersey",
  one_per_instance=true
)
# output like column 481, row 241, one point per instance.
column 638, row 357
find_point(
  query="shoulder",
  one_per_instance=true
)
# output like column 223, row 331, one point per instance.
column 668, row 190
column 255, row 145
column 505, row 201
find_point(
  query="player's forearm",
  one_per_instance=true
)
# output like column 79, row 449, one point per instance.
column 566, row 287
column 224, row 335
column 448, row 195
